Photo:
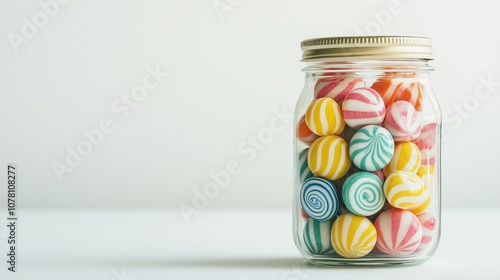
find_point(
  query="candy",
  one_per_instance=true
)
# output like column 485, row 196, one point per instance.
column 402, row 121
column 406, row 158
column 319, row 199
column 428, row 156
column 363, row 193
column 428, row 227
column 304, row 171
column 371, row 148
column 427, row 137
column 324, row 117
column 336, row 87
column 363, row 106
column 304, row 134
column 317, row 237
column 399, row 232
column 379, row 174
column 393, row 89
column 404, row 190
column 353, row 236
column 426, row 173
column 328, row 157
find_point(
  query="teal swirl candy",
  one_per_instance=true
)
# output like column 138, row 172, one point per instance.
column 317, row 237
column 371, row 148
column 363, row 193
column 304, row 171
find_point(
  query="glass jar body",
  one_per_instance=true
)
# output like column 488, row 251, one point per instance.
column 367, row 163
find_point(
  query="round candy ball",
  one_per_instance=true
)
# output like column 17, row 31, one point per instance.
column 336, row 87
column 406, row 158
column 363, row 106
column 317, row 237
column 399, row 232
column 428, row 230
column 371, row 148
column 405, row 88
column 329, row 158
column 304, row 171
column 324, row 117
column 304, row 134
column 319, row 199
column 363, row 193
column 353, row 236
column 402, row 121
column 404, row 190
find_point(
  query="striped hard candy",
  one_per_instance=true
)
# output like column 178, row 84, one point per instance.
column 324, row 117
column 429, row 223
column 404, row 190
column 402, row 121
column 304, row 171
column 317, row 237
column 304, row 134
column 319, row 199
column 363, row 193
column 363, row 106
column 336, row 87
column 406, row 158
column 353, row 236
column 328, row 157
column 393, row 89
column 399, row 232
column 426, row 173
column 427, row 137
column 371, row 148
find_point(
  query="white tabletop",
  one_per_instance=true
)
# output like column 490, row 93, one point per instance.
column 221, row 244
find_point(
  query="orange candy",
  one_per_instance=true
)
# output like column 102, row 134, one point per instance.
column 400, row 88
column 304, row 134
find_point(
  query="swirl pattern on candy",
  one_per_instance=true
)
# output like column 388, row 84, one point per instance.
column 371, row 148
column 399, row 232
column 336, row 87
column 393, row 89
column 304, row 134
column 363, row 106
column 304, row 171
column 353, row 236
column 404, row 190
column 363, row 193
column 426, row 142
column 317, row 237
column 406, row 158
column 319, row 199
column 329, row 158
column 426, row 173
column 428, row 229
column 402, row 121
column 324, row 117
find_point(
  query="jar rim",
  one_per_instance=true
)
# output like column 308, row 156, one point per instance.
column 377, row 47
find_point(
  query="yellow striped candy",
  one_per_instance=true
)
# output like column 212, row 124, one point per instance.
column 404, row 190
column 328, row 157
column 406, row 158
column 353, row 236
column 426, row 173
column 324, row 117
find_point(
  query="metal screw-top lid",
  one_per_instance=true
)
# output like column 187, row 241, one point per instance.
column 379, row 47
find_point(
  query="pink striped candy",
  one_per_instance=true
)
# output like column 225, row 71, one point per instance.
column 426, row 143
column 336, row 87
column 399, row 232
column 363, row 106
column 428, row 226
column 402, row 121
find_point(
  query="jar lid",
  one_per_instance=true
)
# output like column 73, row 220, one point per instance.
column 380, row 47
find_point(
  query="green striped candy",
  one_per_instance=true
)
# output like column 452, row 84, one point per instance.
column 317, row 237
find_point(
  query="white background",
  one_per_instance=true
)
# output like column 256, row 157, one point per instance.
column 227, row 74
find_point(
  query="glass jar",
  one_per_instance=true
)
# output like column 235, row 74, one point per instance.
column 367, row 152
